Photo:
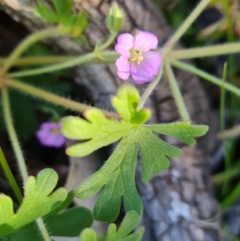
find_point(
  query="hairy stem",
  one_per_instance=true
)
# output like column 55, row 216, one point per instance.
column 67, row 64
column 230, row 133
column 187, row 23
column 43, row 229
column 44, row 60
column 18, row 152
column 12, row 134
column 10, row 177
column 204, row 75
column 214, row 50
column 149, row 89
column 24, row 45
column 42, row 94
column 108, row 42
column 176, row 92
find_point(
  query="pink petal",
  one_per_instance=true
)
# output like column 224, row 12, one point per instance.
column 154, row 59
column 48, row 137
column 54, row 140
column 147, row 69
column 123, row 68
column 144, row 41
column 124, row 44
column 141, row 75
column 50, row 125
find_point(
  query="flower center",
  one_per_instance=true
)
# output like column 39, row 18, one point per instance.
column 55, row 131
column 135, row 56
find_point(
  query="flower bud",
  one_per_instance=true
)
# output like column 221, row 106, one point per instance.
column 114, row 18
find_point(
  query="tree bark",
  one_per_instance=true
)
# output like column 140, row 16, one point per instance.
column 178, row 203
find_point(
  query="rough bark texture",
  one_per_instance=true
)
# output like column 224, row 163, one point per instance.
column 178, row 203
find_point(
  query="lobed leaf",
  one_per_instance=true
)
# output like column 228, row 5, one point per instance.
column 66, row 224
column 47, row 14
column 69, row 23
column 63, row 7
column 123, row 233
column 117, row 177
column 39, row 200
column 70, row 222
column 155, row 153
column 88, row 235
column 100, row 130
column 182, row 131
column 125, row 103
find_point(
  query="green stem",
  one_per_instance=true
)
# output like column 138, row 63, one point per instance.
column 231, row 198
column 10, row 177
column 18, row 152
column 108, row 42
column 24, row 45
column 222, row 99
column 187, row 23
column 150, row 89
column 230, row 133
column 176, row 92
column 226, row 175
column 71, row 63
column 214, row 50
column 228, row 20
column 44, row 60
column 204, row 75
column 12, row 134
column 42, row 94
column 226, row 152
column 40, row 60
column 43, row 229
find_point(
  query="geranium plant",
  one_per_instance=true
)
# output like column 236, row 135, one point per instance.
column 137, row 56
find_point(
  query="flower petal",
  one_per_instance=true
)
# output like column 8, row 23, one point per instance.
column 144, row 41
column 124, row 44
column 54, row 140
column 152, row 59
column 49, row 134
column 140, row 75
column 147, row 69
column 123, row 68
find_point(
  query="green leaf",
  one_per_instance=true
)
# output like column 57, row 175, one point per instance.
column 47, row 14
column 116, row 178
column 75, row 24
column 70, row 23
column 61, row 14
column 39, row 200
column 154, row 153
column 67, row 224
column 64, row 204
column 63, row 6
column 182, row 131
column 128, row 224
column 70, row 222
column 125, row 103
column 64, row 11
column 100, row 130
column 88, row 235
column 27, row 232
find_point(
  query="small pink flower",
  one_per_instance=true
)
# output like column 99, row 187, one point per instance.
column 136, row 58
column 50, row 134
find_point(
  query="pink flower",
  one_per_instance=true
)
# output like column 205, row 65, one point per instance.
column 50, row 134
column 136, row 58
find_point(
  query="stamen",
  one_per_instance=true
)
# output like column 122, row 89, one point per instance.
column 136, row 56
